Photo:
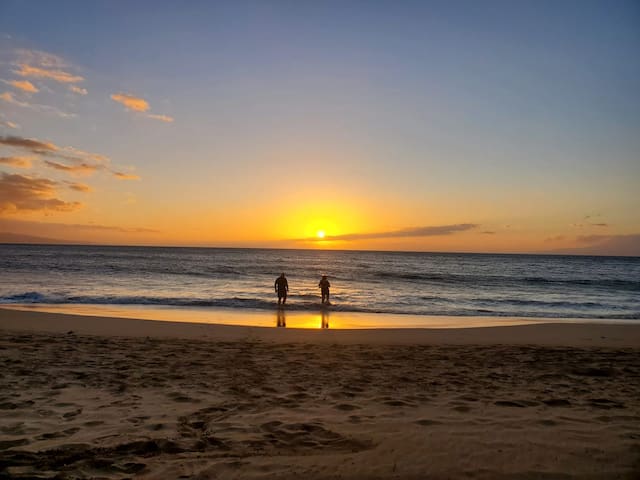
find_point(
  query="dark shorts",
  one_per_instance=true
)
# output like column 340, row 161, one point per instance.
column 282, row 293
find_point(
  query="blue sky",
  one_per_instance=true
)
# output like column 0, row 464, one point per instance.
column 448, row 112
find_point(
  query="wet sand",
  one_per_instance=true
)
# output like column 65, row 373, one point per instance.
column 86, row 397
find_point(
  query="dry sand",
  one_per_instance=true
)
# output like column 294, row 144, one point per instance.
column 82, row 397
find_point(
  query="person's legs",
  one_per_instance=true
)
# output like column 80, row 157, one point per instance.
column 284, row 299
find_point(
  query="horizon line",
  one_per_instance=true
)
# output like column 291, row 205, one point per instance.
column 550, row 253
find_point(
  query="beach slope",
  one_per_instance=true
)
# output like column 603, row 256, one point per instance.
column 84, row 397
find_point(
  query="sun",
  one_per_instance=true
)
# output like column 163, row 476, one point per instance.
column 320, row 234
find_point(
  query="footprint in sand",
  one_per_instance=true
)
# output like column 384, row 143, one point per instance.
column 425, row 422
column 64, row 433
column 180, row 397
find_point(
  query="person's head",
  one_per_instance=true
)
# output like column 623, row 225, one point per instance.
column 282, row 275
column 324, row 277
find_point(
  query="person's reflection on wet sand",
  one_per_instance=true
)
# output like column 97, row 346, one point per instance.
column 324, row 319
column 281, row 321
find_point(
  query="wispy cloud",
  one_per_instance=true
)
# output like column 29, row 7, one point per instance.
column 78, row 90
column 19, row 162
column 60, row 76
column 79, row 168
column 20, row 193
column 9, row 97
column 40, row 58
column 139, row 105
column 429, row 231
column 24, row 85
column 125, row 176
column 9, row 124
column 162, row 118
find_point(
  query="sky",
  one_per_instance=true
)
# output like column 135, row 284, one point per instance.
column 496, row 126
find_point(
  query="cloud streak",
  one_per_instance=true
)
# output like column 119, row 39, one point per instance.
column 60, row 76
column 162, row 118
column 31, row 144
column 79, row 169
column 19, row 162
column 125, row 176
column 429, row 231
column 79, row 187
column 139, row 105
column 24, row 85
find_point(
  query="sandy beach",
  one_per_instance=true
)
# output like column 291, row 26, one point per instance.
column 88, row 397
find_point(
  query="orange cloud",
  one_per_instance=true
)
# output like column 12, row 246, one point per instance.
column 20, row 193
column 19, row 162
column 125, row 176
column 130, row 102
column 56, row 75
column 24, row 85
column 140, row 105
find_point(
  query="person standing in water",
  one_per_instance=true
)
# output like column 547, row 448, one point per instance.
column 324, row 289
column 282, row 287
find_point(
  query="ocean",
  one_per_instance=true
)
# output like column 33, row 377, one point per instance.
column 447, row 284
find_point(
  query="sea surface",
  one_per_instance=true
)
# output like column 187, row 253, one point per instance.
column 371, row 282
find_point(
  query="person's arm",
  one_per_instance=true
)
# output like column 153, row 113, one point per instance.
column 286, row 284
column 275, row 285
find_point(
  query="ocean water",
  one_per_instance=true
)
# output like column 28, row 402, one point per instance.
column 373, row 282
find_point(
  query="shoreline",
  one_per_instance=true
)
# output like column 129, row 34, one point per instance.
column 519, row 332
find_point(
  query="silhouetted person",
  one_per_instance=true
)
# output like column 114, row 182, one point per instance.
column 324, row 289
column 281, row 320
column 282, row 287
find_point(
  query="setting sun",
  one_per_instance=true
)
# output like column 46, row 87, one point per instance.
column 320, row 234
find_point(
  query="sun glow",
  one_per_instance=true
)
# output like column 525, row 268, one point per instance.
column 320, row 234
